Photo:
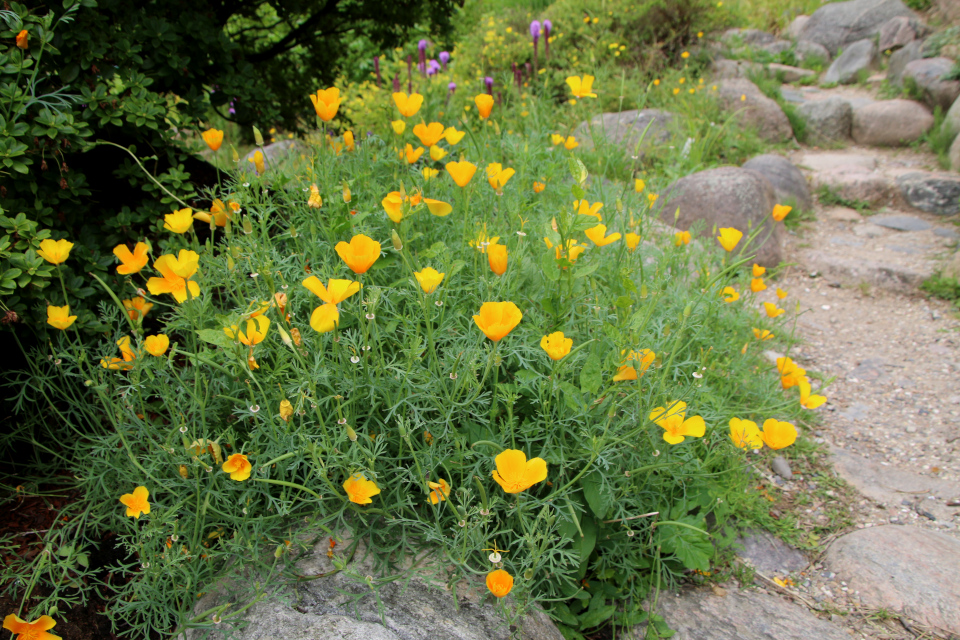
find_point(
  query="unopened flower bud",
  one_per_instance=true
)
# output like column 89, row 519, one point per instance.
column 351, row 434
column 285, row 336
column 397, row 244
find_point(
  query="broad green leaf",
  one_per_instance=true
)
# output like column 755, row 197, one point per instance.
column 596, row 617
column 548, row 262
column 591, row 376
column 598, row 494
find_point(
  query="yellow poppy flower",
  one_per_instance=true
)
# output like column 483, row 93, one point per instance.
column 538, row 187
column 780, row 212
column 452, row 136
column 497, row 319
column 790, row 372
column 745, row 434
column 730, row 294
column 676, row 426
column 484, row 103
column 781, row 293
column 598, row 236
column 325, row 318
column 137, row 503
column 632, row 240
column 429, row 134
column 556, row 345
column 258, row 162
column 729, row 237
column 440, row 491
column 772, row 310
column 766, row 334
column 809, row 400
column 437, row 154
column 326, row 102
column 642, row 359
column 314, row 201
column 156, row 345
column 178, row 221
column 360, row 253
column 584, row 208
column 437, row 207
column 59, row 317
column 36, row 630
column 286, row 410
column 176, row 271
column 238, row 467
column 399, row 126
column 359, row 489
column 757, row 285
column 410, row 154
column 681, row 237
column 556, row 139
column 256, row 331
column 497, row 176
column 127, row 353
column 408, row 105
column 461, row 172
column 349, row 141
column 213, row 138
column 428, row 173
column 777, row 434
column 55, row 251
column 137, row 308
column 758, row 270
column 581, row 87
column 429, row 279
column 497, row 258
column 23, row 42
column 499, row 582
column 336, row 290
column 219, row 213
column 570, row 143
column 515, row 473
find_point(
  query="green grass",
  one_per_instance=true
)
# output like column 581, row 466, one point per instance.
column 828, row 196
column 943, row 287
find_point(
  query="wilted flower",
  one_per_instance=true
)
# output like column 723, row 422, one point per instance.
column 675, row 425
column 408, row 105
column 238, row 467
column 777, row 434
column 55, row 251
column 515, row 473
column 123, row 363
column 729, row 237
column 772, row 310
column 219, row 213
column 497, row 319
column 314, row 201
column 137, row 307
column 326, row 102
column 286, row 410
column 59, row 317
column 556, row 345
column 745, row 434
column 641, row 359
column 581, row 88
column 213, row 138
column 23, row 42
column 136, row 504
column 360, row 253
column 538, row 186
column 156, row 345
column 359, row 489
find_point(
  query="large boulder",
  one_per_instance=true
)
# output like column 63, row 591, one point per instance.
column 807, row 50
column 786, row 73
column 635, row 130
column 751, row 37
column 859, row 56
column 900, row 59
column 727, row 197
column 951, row 122
column 828, row 121
column 890, row 123
column 954, row 154
column 907, row 569
column 330, row 605
column 838, row 24
column 931, row 192
column 927, row 74
column 899, row 31
column 723, row 68
column 788, row 182
column 742, row 97
column 796, row 26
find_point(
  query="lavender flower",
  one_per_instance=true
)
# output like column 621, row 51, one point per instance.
column 422, row 45
column 433, row 67
column 535, row 30
column 452, row 87
column 488, row 82
column 547, row 27
column 444, row 59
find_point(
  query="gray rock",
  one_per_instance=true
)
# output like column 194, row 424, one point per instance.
column 788, row 73
column 742, row 615
column 340, row 608
column 727, row 197
column 752, row 37
column 954, row 154
column 855, row 58
column 927, row 74
column 830, row 162
column 952, row 268
column 931, row 192
column 899, row 31
column 910, row 570
column 854, row 270
column 777, row 46
column 809, row 50
column 635, row 131
column 273, row 152
column 724, row 68
column 769, row 554
column 900, row 59
column 788, row 182
column 853, row 182
column 890, row 123
column 901, row 223
column 946, row 233
column 796, row 26
column 790, row 94
column 828, row 121
column 782, row 468
column 838, row 24
column 888, row 485
column 742, row 97
column 856, row 411
column 951, row 122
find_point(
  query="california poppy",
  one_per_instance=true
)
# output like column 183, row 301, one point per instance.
column 176, row 271
column 408, row 105
column 213, row 138
column 581, row 87
column 484, row 103
column 497, row 258
column 681, row 237
column 515, row 473
column 641, row 359
column 55, row 251
column 461, row 172
column 238, row 467
column 336, row 290
column 556, row 345
column 499, row 582
column 137, row 503
column 440, row 491
column 429, row 279
column 777, row 434
column 676, row 426
column 326, row 102
column 178, row 221
column 360, row 253
column 38, row 629
column 59, row 317
column 359, row 489
column 780, row 212
column 729, row 237
column 23, row 39
column 497, row 319
column 429, row 134
column 156, row 345
column 632, row 240
column 745, row 434
column 598, row 235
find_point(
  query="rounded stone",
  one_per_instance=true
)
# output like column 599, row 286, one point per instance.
column 891, row 123
column 787, row 180
column 742, row 97
column 828, row 121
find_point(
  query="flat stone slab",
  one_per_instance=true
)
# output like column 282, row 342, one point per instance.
column 889, row 485
column 742, row 615
column 901, row 223
column 931, row 192
column 946, row 233
column 769, row 554
column 855, row 270
column 831, row 161
column 910, row 570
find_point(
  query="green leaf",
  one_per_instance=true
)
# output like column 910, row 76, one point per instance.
column 598, row 494
column 215, row 337
column 591, row 376
column 562, row 613
column 577, row 192
column 623, row 302
column 571, row 396
column 596, row 617
column 585, row 270
column 548, row 262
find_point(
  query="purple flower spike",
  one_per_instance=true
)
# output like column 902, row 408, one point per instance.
column 433, row 67
column 488, row 81
column 452, row 87
column 423, row 44
column 547, row 27
column 444, row 57
column 535, row 30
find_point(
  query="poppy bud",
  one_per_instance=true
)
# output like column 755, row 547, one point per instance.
column 351, row 433
column 257, row 137
column 397, row 244
column 285, row 337
column 247, row 225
